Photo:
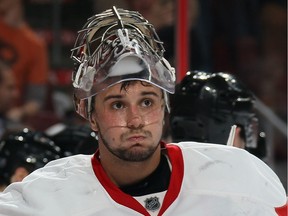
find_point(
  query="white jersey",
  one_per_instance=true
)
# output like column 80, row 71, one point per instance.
column 206, row 180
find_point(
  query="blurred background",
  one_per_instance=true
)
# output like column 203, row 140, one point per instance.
column 247, row 38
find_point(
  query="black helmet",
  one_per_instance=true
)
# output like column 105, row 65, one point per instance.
column 206, row 105
column 26, row 148
column 73, row 139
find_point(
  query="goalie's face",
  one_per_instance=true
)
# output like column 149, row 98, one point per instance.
column 129, row 120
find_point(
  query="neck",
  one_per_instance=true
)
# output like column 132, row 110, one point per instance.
column 123, row 173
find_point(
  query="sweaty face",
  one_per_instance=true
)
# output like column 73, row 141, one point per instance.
column 129, row 120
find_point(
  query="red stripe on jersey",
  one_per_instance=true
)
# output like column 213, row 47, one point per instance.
column 176, row 160
column 282, row 211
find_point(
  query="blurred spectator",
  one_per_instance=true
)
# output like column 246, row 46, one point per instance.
column 272, row 78
column 162, row 14
column 273, row 60
column 26, row 54
column 101, row 5
column 8, row 95
column 249, row 39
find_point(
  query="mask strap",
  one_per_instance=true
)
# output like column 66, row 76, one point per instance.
column 166, row 99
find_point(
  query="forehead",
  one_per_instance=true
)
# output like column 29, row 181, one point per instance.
column 130, row 87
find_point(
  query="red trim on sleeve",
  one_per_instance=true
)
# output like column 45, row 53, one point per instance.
column 282, row 211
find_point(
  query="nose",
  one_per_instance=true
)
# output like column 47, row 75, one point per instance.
column 134, row 119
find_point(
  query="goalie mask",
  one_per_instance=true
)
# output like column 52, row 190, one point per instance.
column 206, row 105
column 115, row 46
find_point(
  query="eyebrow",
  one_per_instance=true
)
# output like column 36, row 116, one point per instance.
column 119, row 96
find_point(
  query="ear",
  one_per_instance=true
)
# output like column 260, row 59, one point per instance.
column 93, row 123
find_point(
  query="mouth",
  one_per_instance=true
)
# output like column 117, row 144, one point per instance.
column 136, row 138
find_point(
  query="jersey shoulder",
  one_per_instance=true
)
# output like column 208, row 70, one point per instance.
column 225, row 169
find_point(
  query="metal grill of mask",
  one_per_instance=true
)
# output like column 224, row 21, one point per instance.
column 118, row 45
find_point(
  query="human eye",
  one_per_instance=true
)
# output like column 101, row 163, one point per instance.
column 147, row 103
column 117, row 105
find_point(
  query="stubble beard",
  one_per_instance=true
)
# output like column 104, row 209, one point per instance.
column 133, row 154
